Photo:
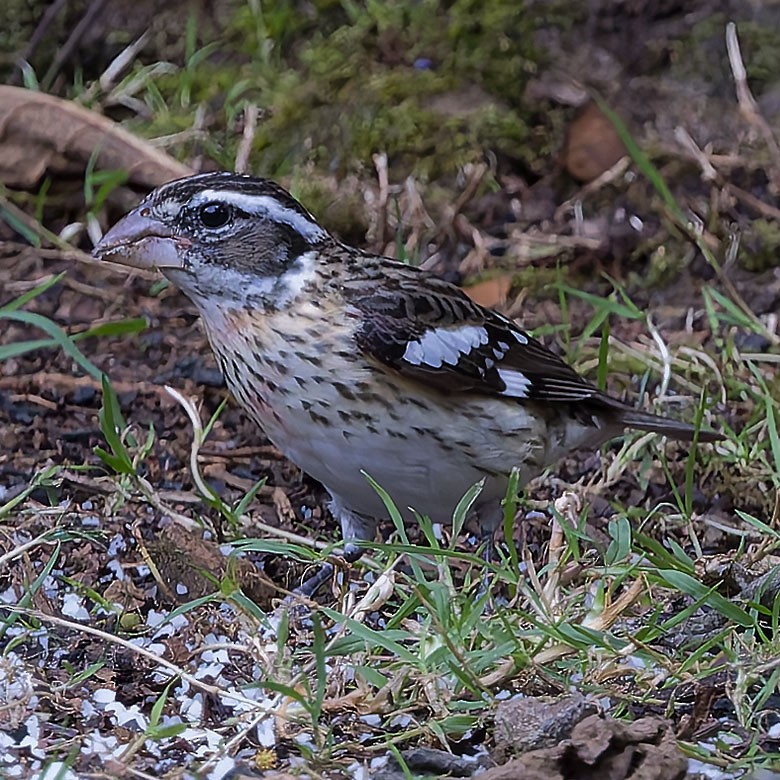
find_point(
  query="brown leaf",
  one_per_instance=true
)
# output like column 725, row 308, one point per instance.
column 490, row 292
column 592, row 144
column 41, row 133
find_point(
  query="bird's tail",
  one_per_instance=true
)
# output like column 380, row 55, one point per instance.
column 644, row 421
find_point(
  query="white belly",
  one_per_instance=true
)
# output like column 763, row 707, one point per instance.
column 353, row 417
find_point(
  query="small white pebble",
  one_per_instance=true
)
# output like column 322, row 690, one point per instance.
column 57, row 771
column 164, row 631
column 32, row 738
column 103, row 695
column 129, row 717
column 358, row 771
column 103, row 745
column 8, row 596
column 209, row 671
column 116, row 545
column 179, row 622
column 73, row 607
column 266, row 733
column 220, row 656
column 222, row 768
column 115, row 567
column 154, row 618
column 192, row 709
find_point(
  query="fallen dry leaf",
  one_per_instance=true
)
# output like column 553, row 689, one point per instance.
column 41, row 134
column 490, row 292
column 189, row 566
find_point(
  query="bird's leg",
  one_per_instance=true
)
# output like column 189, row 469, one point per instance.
column 353, row 527
column 312, row 584
column 488, row 545
column 488, row 549
column 307, row 589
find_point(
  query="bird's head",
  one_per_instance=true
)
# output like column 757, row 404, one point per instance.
column 220, row 236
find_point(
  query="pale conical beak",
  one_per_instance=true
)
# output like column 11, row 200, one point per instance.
column 142, row 242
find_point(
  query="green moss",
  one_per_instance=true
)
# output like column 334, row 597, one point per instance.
column 761, row 246
column 702, row 51
column 348, row 80
column 434, row 84
column 19, row 18
column 341, row 209
column 760, row 47
column 541, row 282
column 664, row 263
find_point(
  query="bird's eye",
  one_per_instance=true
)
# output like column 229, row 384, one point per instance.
column 214, row 215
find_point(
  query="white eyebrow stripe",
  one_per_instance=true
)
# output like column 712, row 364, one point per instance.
column 517, row 383
column 266, row 206
column 440, row 345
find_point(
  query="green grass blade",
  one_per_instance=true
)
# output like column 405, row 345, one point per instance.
column 58, row 336
column 24, row 298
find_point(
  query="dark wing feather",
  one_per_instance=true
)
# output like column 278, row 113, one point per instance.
column 429, row 330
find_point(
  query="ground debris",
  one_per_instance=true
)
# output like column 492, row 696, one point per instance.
column 530, row 723
column 602, row 749
column 189, row 567
column 430, row 761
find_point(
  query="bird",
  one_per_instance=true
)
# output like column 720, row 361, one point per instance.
column 354, row 364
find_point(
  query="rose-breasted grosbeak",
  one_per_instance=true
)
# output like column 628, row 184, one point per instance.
column 350, row 362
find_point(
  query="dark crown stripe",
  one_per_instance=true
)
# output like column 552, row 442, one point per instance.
column 251, row 195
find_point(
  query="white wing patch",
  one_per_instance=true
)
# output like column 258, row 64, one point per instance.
column 444, row 345
column 517, row 383
column 264, row 206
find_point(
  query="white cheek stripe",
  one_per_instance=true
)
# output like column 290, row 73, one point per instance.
column 277, row 289
column 438, row 346
column 264, row 206
column 517, row 383
column 295, row 279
